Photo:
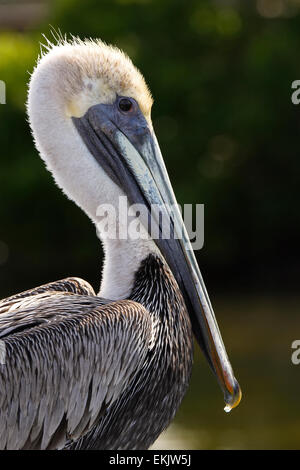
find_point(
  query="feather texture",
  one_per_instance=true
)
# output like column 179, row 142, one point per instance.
column 88, row 373
column 64, row 352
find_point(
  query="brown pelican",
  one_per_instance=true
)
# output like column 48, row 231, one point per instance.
column 106, row 371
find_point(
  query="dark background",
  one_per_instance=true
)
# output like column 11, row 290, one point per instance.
column 221, row 74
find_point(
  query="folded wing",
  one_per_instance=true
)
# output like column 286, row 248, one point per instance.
column 68, row 356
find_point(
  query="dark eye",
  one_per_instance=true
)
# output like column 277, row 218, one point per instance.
column 125, row 105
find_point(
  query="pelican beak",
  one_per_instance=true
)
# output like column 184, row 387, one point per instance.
column 125, row 146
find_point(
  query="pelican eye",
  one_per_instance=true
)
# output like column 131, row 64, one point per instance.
column 125, row 105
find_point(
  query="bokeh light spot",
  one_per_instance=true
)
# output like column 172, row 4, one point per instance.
column 270, row 8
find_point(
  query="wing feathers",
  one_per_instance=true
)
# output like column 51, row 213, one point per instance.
column 60, row 375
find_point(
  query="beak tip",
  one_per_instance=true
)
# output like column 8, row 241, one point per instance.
column 233, row 399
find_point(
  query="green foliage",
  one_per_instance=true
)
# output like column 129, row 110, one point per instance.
column 17, row 56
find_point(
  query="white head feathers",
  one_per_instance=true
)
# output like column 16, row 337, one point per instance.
column 68, row 79
column 90, row 72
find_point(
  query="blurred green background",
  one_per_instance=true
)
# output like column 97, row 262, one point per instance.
column 220, row 73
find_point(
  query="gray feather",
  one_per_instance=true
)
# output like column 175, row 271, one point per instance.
column 64, row 358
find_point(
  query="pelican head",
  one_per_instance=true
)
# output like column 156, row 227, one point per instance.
column 90, row 113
